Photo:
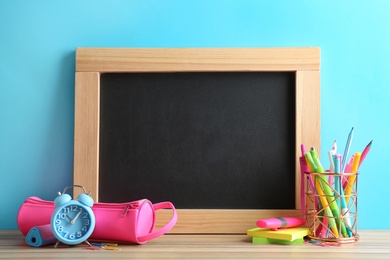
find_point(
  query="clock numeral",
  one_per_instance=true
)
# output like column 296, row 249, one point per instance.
column 85, row 215
column 62, row 215
column 60, row 229
column 86, row 222
column 72, row 236
column 79, row 234
column 58, row 221
column 84, row 229
column 70, row 208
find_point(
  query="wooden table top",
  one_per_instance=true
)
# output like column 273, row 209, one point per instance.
column 372, row 245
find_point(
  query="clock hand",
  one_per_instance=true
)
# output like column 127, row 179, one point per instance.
column 71, row 220
column 75, row 218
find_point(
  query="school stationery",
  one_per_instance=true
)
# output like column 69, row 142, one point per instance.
column 331, row 162
column 336, row 226
column 280, row 223
column 263, row 240
column 40, row 236
column 131, row 222
column 289, row 234
column 304, row 168
column 346, row 150
column 335, row 218
column 341, row 201
column 337, row 163
column 324, row 186
column 334, row 147
column 327, row 210
column 365, row 152
column 352, row 178
column 310, row 162
column 349, row 164
column 332, row 203
column 317, row 163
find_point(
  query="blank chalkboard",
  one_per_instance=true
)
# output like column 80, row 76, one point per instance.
column 199, row 140
column 216, row 131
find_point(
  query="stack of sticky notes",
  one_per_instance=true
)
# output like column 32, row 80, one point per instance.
column 284, row 231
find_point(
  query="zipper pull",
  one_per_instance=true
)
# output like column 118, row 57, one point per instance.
column 131, row 205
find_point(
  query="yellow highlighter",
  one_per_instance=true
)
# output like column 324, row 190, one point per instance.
column 352, row 178
column 328, row 212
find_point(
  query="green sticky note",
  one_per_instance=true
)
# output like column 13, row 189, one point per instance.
column 263, row 240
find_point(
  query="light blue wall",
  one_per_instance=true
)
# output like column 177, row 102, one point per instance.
column 37, row 46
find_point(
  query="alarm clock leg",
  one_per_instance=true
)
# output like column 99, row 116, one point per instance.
column 58, row 242
column 86, row 241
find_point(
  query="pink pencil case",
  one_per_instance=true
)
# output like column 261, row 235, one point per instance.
column 131, row 222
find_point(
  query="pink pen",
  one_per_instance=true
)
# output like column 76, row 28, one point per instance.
column 331, row 153
column 303, row 149
column 365, row 152
column 280, row 223
column 304, row 168
column 349, row 165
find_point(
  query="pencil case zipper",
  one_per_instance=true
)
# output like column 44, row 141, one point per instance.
column 38, row 201
column 97, row 205
column 125, row 206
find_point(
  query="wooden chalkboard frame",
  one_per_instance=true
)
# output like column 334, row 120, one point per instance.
column 91, row 62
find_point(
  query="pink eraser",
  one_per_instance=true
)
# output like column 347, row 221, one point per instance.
column 280, row 223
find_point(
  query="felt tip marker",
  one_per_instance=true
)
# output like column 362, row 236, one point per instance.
column 280, row 223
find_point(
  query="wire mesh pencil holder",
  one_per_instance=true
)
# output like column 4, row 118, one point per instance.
column 331, row 207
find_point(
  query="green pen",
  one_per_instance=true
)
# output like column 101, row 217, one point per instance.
column 333, row 205
column 316, row 161
column 326, row 209
column 310, row 161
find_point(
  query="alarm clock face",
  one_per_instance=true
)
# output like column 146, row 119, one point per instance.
column 72, row 223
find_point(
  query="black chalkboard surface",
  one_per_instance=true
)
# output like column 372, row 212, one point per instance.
column 210, row 140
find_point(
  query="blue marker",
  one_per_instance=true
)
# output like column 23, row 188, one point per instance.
column 346, row 151
column 339, row 188
column 336, row 163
